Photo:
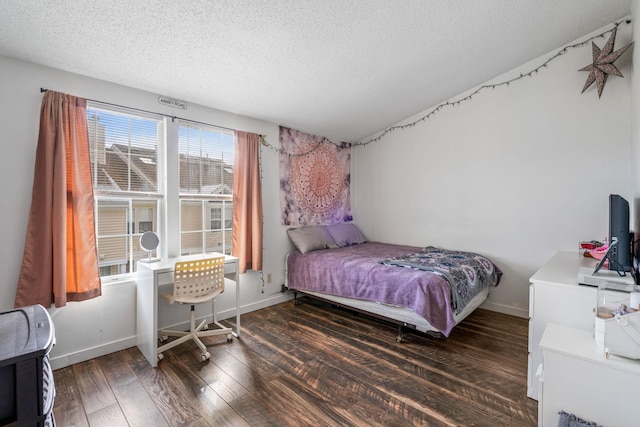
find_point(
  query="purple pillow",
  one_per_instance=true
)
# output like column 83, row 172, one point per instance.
column 346, row 234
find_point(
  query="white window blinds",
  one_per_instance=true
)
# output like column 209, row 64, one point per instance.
column 125, row 169
column 206, row 188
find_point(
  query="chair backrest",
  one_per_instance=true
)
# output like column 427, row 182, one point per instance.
column 199, row 280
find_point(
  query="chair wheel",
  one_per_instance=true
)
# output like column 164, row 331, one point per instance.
column 205, row 327
column 205, row 356
column 164, row 338
column 398, row 339
column 160, row 356
column 229, row 338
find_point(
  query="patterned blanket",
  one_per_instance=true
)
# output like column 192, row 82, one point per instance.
column 467, row 273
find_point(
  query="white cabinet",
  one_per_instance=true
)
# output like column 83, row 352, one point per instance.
column 580, row 380
column 556, row 297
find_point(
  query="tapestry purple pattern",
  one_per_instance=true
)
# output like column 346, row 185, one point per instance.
column 314, row 179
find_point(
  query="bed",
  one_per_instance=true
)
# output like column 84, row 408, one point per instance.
column 426, row 289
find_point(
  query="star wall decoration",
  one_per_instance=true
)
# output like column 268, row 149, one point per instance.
column 602, row 64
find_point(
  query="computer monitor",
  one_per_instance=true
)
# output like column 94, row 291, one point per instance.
column 619, row 253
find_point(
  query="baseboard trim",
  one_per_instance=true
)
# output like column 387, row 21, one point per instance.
column 231, row 312
column 273, row 300
column 69, row 359
column 506, row 309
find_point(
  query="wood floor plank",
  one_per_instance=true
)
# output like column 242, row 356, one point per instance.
column 314, row 377
column 116, row 372
column 473, row 395
column 68, row 409
column 109, row 416
column 165, row 390
column 423, row 347
column 225, row 385
column 336, row 408
column 351, row 359
column 93, row 386
column 138, row 407
column 386, row 357
column 259, row 410
column 315, row 365
column 211, row 406
column 136, row 404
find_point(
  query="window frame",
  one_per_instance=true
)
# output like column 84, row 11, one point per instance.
column 205, row 231
column 126, row 266
column 168, row 195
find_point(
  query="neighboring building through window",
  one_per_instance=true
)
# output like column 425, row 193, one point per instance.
column 124, row 165
column 206, row 181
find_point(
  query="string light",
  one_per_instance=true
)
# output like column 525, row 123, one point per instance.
column 318, row 143
column 448, row 103
column 490, row 86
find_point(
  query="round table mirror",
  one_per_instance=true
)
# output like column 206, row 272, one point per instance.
column 149, row 241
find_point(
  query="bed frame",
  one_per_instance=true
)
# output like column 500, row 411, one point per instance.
column 404, row 318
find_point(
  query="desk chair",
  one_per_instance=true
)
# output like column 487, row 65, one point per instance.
column 196, row 282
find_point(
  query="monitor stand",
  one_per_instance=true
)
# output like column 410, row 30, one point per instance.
column 610, row 256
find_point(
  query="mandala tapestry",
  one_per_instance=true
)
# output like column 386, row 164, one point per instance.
column 314, row 179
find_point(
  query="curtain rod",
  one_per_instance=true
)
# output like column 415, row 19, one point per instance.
column 160, row 114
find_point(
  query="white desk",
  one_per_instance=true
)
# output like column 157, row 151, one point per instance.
column 153, row 275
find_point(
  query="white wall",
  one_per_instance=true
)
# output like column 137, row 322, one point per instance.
column 516, row 174
column 107, row 323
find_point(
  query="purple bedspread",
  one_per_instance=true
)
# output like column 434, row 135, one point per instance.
column 355, row 272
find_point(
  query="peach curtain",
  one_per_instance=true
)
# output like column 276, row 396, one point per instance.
column 60, row 261
column 247, row 202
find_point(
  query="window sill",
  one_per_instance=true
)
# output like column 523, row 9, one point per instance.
column 119, row 281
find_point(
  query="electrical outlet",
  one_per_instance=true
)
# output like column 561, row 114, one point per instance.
column 268, row 277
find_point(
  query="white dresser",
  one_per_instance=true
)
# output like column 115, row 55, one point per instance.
column 580, row 380
column 556, row 297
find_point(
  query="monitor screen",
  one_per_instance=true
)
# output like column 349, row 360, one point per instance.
column 620, row 259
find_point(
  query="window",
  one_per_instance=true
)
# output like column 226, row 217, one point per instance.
column 221, row 216
column 144, row 219
column 127, row 154
column 206, row 187
column 199, row 231
column 124, row 165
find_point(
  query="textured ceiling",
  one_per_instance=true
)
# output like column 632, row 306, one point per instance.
column 344, row 69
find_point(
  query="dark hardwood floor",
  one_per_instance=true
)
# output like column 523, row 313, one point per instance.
column 312, row 365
